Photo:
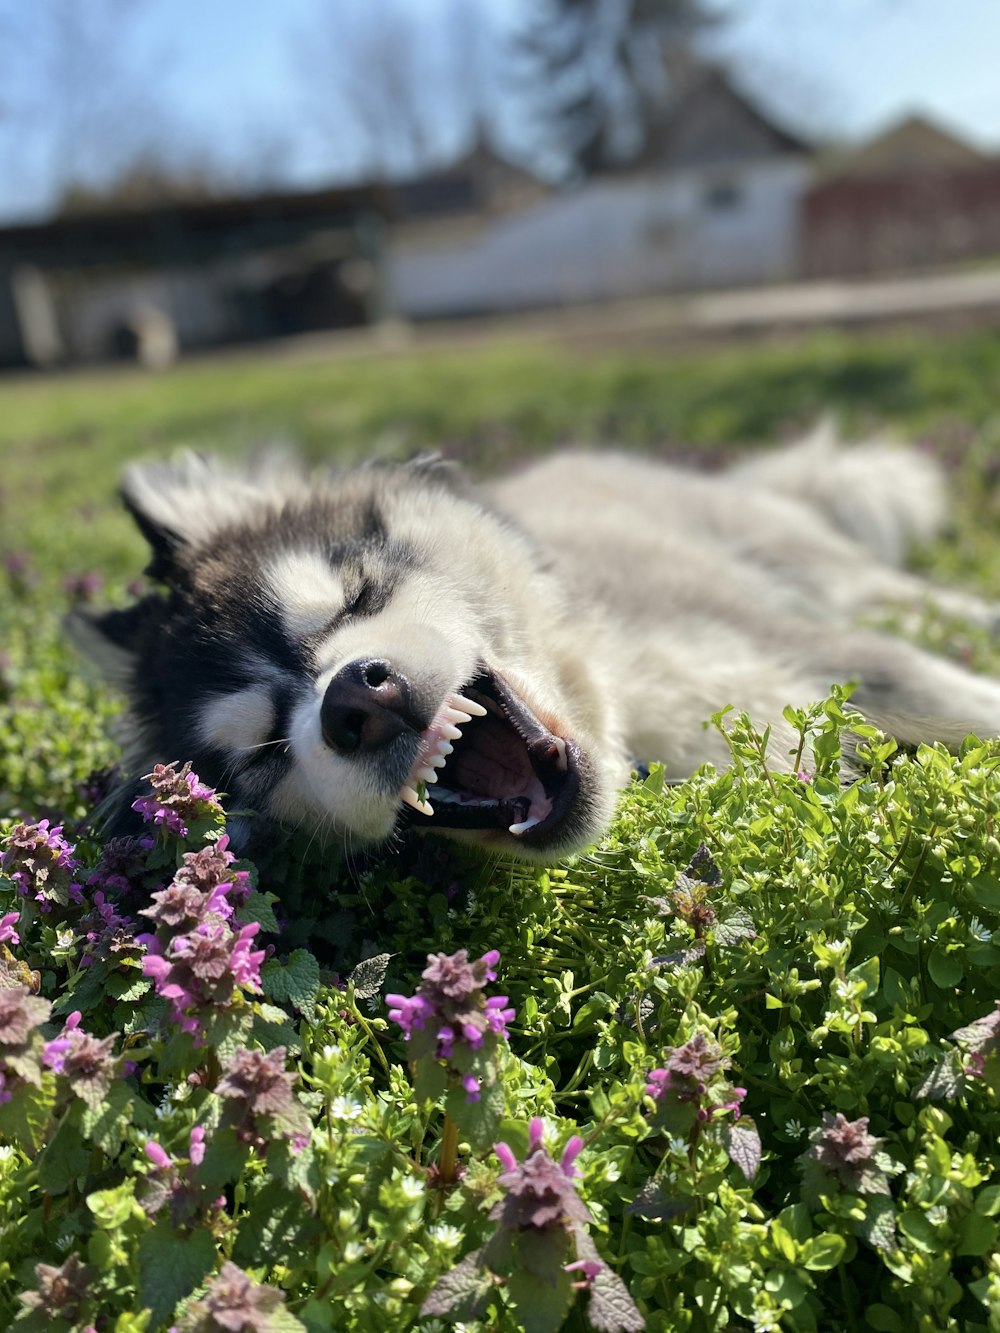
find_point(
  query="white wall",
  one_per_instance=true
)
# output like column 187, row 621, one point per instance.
column 624, row 237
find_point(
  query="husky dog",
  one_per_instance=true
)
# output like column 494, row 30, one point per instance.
column 348, row 652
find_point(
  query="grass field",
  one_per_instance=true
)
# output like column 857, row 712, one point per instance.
column 820, row 991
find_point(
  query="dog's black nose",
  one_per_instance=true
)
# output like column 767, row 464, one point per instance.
column 366, row 705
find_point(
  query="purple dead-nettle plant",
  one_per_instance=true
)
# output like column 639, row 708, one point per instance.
column 40, row 863
column 106, row 931
column 234, row 1303
column 843, row 1156
column 21, row 1045
column 692, row 1092
column 178, row 801
column 61, row 1291
column 173, row 1183
column 980, row 1041
column 260, row 1099
column 87, row 1063
column 693, row 1078
column 541, row 1249
column 450, row 1022
column 199, row 956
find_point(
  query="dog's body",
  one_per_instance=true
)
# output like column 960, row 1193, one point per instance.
column 329, row 644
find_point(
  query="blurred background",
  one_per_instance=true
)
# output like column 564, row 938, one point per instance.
column 183, row 176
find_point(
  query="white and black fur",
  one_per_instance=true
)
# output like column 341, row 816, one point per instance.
column 319, row 638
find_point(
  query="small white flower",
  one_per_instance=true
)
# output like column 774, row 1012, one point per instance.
column 346, row 1109
column 412, row 1188
column 937, row 1215
column 794, row 1129
column 446, row 1235
column 353, row 1251
column 6, row 1152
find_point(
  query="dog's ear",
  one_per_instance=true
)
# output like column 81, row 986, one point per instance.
column 112, row 639
column 184, row 503
column 435, row 469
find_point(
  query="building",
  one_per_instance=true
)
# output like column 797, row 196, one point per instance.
column 147, row 283
column 913, row 197
column 713, row 200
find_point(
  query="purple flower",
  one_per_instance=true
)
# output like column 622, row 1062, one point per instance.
column 843, row 1151
column 85, row 1061
column 449, row 1017
column 260, row 1099
column 203, row 885
column 234, row 1304
column 200, row 970
column 41, row 864
column 83, row 587
column 175, row 1182
column 106, row 931
column 540, row 1192
column 693, row 1078
column 21, row 1015
column 8, row 933
column 60, row 1291
column 178, row 799
column 980, row 1039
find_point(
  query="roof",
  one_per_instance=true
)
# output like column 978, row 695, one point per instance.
column 912, row 146
column 196, row 228
column 713, row 121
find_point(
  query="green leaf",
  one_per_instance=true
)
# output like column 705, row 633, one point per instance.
column 462, row 1292
column 295, row 981
column 823, row 1252
column 64, row 1157
column 611, row 1308
column 171, row 1266
column 741, row 1141
column 945, row 968
column 367, row 978
column 884, row 1319
column 275, row 1229
column 478, row 1121
column 541, row 1304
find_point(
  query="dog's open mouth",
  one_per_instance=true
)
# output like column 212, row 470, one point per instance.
column 487, row 762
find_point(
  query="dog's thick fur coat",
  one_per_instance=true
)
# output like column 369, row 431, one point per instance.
column 323, row 639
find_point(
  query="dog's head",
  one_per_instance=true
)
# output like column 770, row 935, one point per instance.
column 345, row 653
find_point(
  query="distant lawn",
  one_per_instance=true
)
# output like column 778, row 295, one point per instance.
column 64, row 439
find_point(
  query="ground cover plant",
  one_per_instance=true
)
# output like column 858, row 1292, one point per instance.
column 736, row 1068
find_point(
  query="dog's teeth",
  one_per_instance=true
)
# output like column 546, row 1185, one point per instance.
column 467, row 705
column 444, row 747
column 455, row 715
column 560, row 747
column 436, row 761
column 452, row 733
column 523, row 827
column 426, row 774
column 410, row 797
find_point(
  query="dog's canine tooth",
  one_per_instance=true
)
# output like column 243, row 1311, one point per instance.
column 560, row 746
column 523, row 827
column 410, row 797
column 466, row 705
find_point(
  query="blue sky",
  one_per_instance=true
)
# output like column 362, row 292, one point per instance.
column 236, row 82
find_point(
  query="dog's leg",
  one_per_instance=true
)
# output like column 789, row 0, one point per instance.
column 912, row 695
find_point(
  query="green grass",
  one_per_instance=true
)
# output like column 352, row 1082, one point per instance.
column 63, row 440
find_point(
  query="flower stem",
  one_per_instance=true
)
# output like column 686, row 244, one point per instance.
column 448, row 1161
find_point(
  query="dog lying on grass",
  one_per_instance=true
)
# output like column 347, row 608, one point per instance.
column 348, row 652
